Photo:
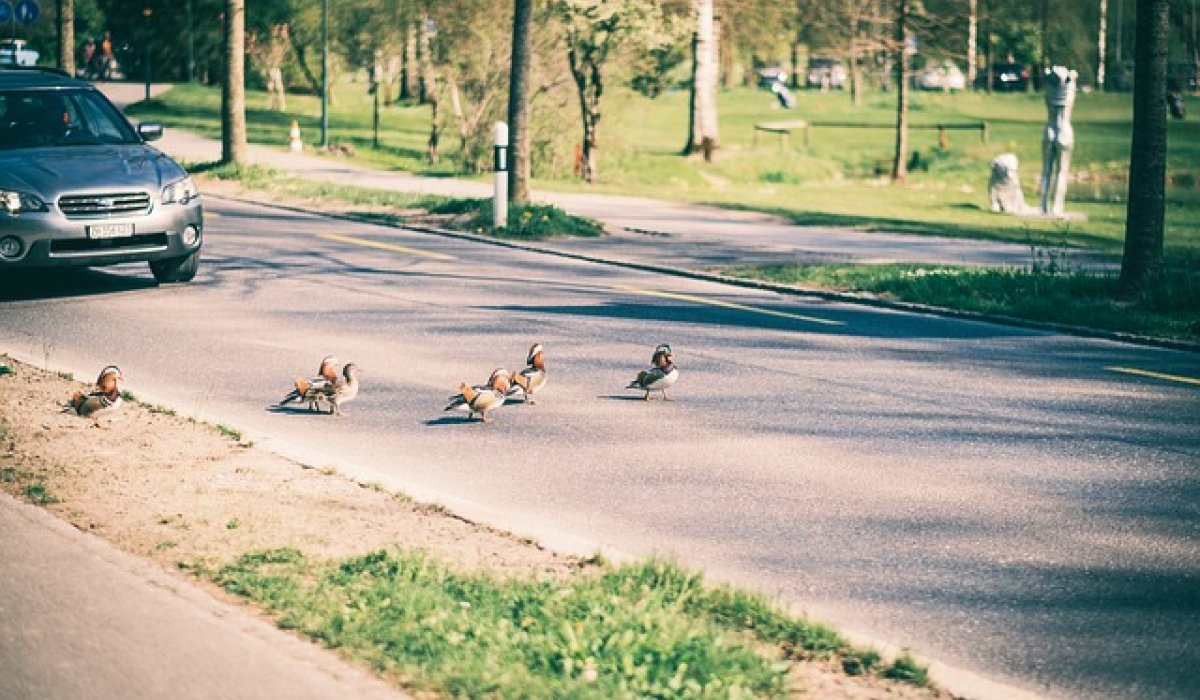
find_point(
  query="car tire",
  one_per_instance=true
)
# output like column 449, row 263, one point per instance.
column 176, row 270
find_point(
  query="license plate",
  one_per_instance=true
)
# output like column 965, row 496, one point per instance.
column 110, row 230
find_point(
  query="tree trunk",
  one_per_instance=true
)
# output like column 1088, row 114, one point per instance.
column 1101, row 44
column 1142, row 263
column 702, row 131
column 590, row 87
column 66, row 36
column 302, row 61
column 425, row 59
column 972, row 40
column 518, row 103
column 899, row 164
column 233, row 94
column 409, row 72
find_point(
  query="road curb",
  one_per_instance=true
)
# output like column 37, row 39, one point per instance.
column 790, row 290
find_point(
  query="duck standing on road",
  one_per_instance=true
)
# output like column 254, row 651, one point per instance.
column 483, row 398
column 104, row 400
column 315, row 390
column 344, row 390
column 661, row 376
column 530, row 380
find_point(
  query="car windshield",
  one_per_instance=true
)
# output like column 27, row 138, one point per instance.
column 34, row 118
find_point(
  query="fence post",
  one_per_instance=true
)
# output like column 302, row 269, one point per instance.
column 500, row 168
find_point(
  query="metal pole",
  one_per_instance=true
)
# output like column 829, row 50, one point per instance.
column 376, row 120
column 500, row 167
column 324, row 73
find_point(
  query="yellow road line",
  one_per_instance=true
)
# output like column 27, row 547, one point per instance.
column 1155, row 375
column 728, row 305
column 212, row 215
column 386, row 246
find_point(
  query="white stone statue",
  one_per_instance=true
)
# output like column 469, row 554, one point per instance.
column 1004, row 187
column 1057, row 139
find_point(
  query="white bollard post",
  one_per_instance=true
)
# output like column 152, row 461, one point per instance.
column 500, row 167
column 295, row 145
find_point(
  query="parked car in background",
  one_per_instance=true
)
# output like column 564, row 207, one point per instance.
column 1006, row 77
column 79, row 186
column 14, row 52
column 824, row 72
column 942, row 76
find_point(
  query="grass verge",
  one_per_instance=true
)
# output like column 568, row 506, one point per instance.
column 473, row 215
column 645, row 630
column 1171, row 310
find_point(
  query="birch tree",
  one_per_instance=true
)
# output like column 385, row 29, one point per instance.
column 702, row 115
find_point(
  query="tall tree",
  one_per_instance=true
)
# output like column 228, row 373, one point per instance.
column 1141, row 265
column 595, row 31
column 1101, row 44
column 66, row 36
column 899, row 164
column 702, row 117
column 233, row 94
column 518, row 103
column 972, row 39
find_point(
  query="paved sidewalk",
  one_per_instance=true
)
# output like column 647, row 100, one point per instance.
column 82, row 619
column 655, row 232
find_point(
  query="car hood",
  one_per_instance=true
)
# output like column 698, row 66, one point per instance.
column 52, row 172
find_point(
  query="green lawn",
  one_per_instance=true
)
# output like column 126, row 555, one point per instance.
column 831, row 182
column 649, row 630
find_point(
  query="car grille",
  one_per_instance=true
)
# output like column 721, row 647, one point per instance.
column 94, row 206
column 74, row 247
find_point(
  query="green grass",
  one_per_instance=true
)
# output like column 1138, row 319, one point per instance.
column 1171, row 310
column 831, row 182
column 531, row 222
column 651, row 630
column 38, row 494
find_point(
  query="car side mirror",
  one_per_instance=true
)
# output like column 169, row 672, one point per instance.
column 150, row 131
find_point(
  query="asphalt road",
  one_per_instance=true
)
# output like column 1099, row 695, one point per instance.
column 1021, row 506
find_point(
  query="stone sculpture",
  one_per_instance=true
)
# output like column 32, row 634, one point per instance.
column 1004, row 187
column 1057, row 139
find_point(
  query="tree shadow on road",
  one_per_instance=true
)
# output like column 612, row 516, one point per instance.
column 61, row 283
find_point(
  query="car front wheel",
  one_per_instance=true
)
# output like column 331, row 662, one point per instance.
column 176, row 269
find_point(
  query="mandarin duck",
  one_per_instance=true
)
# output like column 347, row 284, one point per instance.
column 315, row 390
column 104, row 400
column 344, row 390
column 483, row 398
column 661, row 375
column 530, row 380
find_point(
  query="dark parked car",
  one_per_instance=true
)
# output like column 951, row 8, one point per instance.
column 1006, row 77
column 79, row 186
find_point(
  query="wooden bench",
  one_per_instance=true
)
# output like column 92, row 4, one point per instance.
column 783, row 129
column 943, row 129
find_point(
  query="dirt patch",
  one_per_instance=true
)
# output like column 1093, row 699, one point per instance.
column 185, row 493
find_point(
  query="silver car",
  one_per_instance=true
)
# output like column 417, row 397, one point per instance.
column 79, row 186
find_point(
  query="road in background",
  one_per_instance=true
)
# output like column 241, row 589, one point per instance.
column 1012, row 503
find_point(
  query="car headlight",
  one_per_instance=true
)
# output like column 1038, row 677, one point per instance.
column 180, row 192
column 15, row 202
